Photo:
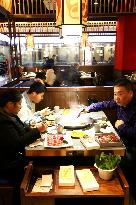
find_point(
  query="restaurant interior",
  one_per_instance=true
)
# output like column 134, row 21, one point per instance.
column 99, row 36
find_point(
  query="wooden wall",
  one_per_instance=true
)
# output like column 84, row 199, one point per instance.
column 67, row 96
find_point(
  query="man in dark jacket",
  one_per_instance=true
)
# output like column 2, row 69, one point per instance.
column 73, row 76
column 125, row 105
column 14, row 136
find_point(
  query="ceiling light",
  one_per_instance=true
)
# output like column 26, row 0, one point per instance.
column 71, row 16
column 95, row 2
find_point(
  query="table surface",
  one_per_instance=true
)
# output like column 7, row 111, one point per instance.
column 77, row 148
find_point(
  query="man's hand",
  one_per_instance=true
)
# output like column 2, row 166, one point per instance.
column 118, row 123
column 83, row 111
column 45, row 111
column 42, row 127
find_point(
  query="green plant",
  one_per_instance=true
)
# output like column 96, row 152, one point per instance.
column 107, row 161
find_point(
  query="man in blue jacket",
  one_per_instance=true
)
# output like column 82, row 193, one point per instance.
column 125, row 105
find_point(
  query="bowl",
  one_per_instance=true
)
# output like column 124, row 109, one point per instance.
column 105, row 174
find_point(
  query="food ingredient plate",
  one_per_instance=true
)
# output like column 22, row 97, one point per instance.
column 57, row 141
column 78, row 134
column 108, row 140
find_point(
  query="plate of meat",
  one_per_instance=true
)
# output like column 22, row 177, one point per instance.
column 108, row 139
column 57, row 141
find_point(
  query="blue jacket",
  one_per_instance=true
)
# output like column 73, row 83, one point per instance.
column 127, row 131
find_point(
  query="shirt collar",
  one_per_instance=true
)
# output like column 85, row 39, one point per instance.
column 28, row 102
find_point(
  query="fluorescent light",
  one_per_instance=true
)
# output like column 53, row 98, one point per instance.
column 95, row 2
column 71, row 30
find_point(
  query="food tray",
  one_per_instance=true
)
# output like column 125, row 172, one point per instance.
column 108, row 140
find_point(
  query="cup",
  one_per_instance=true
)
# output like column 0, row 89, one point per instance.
column 59, row 129
column 56, row 109
column 97, row 127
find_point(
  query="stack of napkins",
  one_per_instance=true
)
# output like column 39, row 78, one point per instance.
column 66, row 176
column 87, row 180
column 89, row 144
column 43, row 184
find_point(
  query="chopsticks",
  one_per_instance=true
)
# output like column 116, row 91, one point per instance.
column 80, row 113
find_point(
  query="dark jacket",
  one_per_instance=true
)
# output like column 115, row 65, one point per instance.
column 14, row 136
column 127, row 131
column 73, row 77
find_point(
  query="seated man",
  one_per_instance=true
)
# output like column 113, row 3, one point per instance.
column 41, row 77
column 94, row 62
column 30, row 98
column 124, row 102
column 125, row 105
column 73, row 75
column 14, row 137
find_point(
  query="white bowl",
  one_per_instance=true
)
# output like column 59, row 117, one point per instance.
column 105, row 174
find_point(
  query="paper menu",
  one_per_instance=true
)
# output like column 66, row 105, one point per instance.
column 41, row 185
column 66, row 176
column 87, row 180
column 90, row 144
column 46, row 180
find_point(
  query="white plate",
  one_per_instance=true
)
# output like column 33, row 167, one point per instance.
column 66, row 137
column 107, row 130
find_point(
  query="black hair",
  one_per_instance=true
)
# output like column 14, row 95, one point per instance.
column 124, row 82
column 37, row 87
column 10, row 96
column 41, row 75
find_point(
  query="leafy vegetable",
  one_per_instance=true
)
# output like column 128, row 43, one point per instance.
column 65, row 142
column 107, row 161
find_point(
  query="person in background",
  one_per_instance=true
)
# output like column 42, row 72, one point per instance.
column 20, row 71
column 73, row 76
column 31, row 97
column 111, row 60
column 15, row 135
column 94, row 61
column 125, row 105
column 59, row 79
column 52, row 61
column 50, row 76
column 45, row 61
column 41, row 77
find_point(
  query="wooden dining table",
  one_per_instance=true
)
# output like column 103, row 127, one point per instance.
column 37, row 149
column 110, row 192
